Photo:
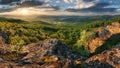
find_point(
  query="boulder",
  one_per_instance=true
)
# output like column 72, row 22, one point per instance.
column 103, row 33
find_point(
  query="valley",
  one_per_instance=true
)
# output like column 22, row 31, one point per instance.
column 40, row 44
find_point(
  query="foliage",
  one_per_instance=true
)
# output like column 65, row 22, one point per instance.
column 20, row 33
column 84, row 37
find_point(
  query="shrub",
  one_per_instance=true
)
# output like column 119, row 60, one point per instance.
column 84, row 37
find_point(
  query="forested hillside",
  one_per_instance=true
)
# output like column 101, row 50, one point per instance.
column 19, row 33
column 60, row 44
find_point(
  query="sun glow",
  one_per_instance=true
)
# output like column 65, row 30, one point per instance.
column 35, row 12
column 24, row 12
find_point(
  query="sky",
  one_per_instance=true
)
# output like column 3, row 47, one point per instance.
column 60, row 7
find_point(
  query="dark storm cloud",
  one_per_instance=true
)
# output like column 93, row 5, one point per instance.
column 8, row 5
column 22, row 2
column 7, row 1
column 31, row 3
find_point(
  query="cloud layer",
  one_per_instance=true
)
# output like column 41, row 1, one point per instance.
column 80, row 6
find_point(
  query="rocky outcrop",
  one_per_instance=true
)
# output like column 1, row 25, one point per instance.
column 103, row 35
column 51, row 53
column 107, row 59
column 51, row 47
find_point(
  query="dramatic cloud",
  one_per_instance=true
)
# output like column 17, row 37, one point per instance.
column 97, row 6
column 80, row 6
column 6, row 5
column 8, row 1
column 21, row 2
column 10, row 5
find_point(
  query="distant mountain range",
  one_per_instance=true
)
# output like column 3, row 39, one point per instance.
column 67, row 19
column 78, row 19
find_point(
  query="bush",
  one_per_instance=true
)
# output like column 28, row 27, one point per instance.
column 84, row 37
